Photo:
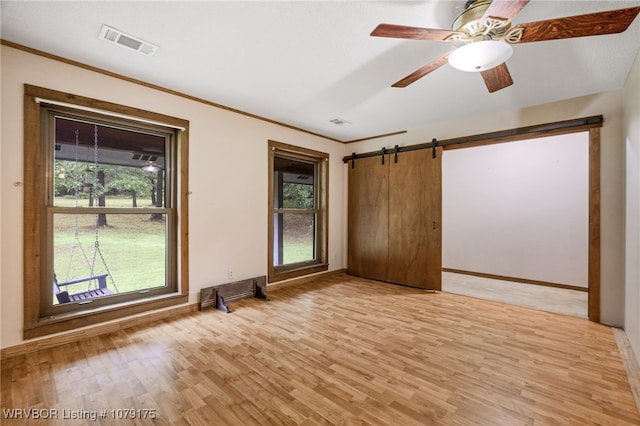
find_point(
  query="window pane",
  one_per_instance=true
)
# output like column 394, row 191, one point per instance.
column 294, row 236
column 106, row 166
column 130, row 249
column 293, row 184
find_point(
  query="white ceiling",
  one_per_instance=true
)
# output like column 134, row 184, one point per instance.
column 304, row 63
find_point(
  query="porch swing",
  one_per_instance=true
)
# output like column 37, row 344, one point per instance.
column 92, row 290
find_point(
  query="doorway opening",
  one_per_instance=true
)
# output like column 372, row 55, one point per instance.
column 516, row 222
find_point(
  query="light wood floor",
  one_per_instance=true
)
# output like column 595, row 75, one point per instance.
column 550, row 299
column 343, row 351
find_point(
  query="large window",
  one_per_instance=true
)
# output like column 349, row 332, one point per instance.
column 104, row 221
column 297, row 211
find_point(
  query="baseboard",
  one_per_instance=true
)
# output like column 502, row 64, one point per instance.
column 303, row 280
column 72, row 336
column 630, row 362
column 515, row 280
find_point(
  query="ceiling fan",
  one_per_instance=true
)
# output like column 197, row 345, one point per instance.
column 483, row 35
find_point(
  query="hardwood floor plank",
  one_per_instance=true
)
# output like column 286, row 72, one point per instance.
column 337, row 351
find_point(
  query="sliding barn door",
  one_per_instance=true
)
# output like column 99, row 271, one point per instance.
column 394, row 222
column 415, row 213
column 368, row 218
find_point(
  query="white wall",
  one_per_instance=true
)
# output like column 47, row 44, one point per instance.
column 612, row 171
column 632, row 222
column 227, row 175
column 519, row 209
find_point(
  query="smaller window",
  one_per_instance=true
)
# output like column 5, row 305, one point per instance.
column 297, row 211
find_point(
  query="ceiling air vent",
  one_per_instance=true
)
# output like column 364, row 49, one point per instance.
column 112, row 35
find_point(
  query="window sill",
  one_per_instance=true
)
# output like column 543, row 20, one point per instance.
column 66, row 322
column 283, row 273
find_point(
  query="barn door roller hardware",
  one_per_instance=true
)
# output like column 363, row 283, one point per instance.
column 567, row 126
column 395, row 150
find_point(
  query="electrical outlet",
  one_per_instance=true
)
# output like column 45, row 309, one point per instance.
column 230, row 274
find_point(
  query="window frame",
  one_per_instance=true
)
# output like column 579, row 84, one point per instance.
column 49, row 114
column 39, row 317
column 321, row 196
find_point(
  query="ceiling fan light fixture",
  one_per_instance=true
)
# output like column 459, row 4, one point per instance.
column 480, row 55
column 150, row 167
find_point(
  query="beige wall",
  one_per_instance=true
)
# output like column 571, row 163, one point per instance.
column 228, row 178
column 632, row 232
column 612, row 181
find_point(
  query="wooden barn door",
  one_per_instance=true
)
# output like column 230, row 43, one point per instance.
column 415, row 213
column 368, row 221
column 394, row 222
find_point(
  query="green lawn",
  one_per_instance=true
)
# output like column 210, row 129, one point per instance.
column 131, row 248
column 298, row 238
column 298, row 252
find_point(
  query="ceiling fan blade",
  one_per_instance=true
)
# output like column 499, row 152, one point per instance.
column 497, row 78
column 599, row 23
column 421, row 72
column 505, row 9
column 414, row 33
